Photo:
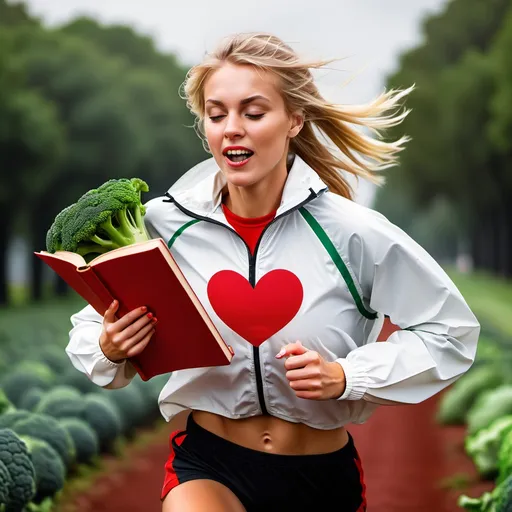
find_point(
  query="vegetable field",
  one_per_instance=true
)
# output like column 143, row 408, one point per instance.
column 68, row 446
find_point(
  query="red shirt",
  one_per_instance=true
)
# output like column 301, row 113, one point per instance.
column 249, row 229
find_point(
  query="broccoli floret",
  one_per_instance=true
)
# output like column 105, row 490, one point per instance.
column 103, row 219
column 15, row 457
column 5, row 484
column 49, row 468
column 499, row 500
column 84, row 437
column 483, row 447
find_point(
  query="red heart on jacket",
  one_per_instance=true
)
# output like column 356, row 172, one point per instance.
column 255, row 313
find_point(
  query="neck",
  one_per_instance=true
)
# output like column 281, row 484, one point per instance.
column 259, row 199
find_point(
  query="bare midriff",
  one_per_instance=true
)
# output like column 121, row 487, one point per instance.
column 273, row 435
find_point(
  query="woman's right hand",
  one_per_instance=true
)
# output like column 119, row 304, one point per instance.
column 127, row 336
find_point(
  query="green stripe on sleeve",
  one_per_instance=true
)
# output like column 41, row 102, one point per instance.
column 338, row 261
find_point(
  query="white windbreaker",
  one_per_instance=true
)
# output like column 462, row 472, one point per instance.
column 326, row 271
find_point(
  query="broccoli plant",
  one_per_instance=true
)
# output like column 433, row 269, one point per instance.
column 499, row 500
column 49, row 469
column 103, row 219
column 14, row 456
column 484, row 446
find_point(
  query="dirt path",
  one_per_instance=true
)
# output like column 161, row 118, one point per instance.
column 405, row 454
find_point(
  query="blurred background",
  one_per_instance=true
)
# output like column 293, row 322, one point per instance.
column 89, row 90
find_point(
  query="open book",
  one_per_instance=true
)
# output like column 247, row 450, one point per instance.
column 146, row 274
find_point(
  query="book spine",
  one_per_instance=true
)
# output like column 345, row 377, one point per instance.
column 103, row 296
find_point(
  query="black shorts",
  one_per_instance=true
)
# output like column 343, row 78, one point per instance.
column 266, row 481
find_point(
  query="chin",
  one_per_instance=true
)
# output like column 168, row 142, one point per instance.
column 241, row 180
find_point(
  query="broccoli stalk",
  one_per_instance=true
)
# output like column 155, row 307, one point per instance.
column 499, row 500
column 103, row 219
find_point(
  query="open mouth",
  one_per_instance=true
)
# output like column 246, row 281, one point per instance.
column 238, row 155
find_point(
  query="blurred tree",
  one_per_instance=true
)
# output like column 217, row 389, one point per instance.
column 450, row 155
column 152, row 85
column 15, row 13
column 31, row 146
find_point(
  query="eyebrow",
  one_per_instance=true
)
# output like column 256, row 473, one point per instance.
column 242, row 102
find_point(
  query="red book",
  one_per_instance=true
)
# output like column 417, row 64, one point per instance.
column 146, row 274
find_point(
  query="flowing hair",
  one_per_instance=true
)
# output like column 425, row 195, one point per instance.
column 359, row 154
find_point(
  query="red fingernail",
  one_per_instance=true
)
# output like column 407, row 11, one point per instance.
column 150, row 315
column 155, row 320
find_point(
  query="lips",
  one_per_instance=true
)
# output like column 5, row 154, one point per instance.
column 237, row 160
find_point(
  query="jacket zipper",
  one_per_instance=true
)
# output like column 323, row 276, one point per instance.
column 252, row 274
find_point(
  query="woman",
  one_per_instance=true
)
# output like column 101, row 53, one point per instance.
column 272, row 209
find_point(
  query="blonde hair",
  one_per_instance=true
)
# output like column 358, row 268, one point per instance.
column 361, row 155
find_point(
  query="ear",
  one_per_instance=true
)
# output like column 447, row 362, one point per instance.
column 297, row 122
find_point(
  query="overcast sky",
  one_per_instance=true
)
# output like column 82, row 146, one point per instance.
column 368, row 35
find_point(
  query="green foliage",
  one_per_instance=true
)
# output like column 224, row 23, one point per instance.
column 49, row 469
column 15, row 457
column 488, row 407
column 5, row 404
column 459, row 398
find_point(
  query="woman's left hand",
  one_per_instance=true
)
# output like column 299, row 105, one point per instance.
column 310, row 375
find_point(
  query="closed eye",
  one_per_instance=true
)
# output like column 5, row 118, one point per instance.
column 254, row 117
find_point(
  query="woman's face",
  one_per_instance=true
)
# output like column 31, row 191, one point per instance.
column 246, row 124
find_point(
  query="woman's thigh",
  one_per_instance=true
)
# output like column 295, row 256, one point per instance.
column 201, row 495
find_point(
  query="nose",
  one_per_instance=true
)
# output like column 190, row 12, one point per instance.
column 234, row 127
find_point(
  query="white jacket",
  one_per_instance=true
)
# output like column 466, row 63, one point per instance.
column 339, row 268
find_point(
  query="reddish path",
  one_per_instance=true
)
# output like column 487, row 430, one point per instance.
column 405, row 457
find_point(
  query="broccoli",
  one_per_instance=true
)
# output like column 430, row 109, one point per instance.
column 483, row 447
column 499, row 500
column 42, row 426
column 31, row 398
column 49, row 468
column 84, row 437
column 103, row 219
column 458, row 399
column 101, row 414
column 15, row 457
column 19, row 380
column 8, row 419
column 505, row 458
column 61, row 401
column 489, row 406
column 5, row 484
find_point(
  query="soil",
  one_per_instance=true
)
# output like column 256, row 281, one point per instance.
column 407, row 460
